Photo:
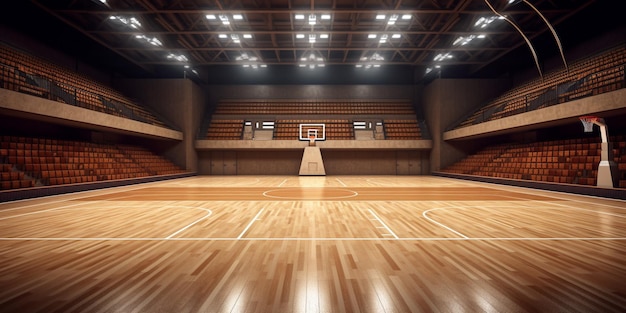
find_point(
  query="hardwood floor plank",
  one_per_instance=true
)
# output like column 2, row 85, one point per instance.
column 521, row 250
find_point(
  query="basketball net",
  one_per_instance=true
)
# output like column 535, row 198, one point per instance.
column 588, row 122
column 312, row 140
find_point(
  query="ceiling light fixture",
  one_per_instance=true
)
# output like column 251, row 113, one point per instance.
column 313, row 18
column 224, row 19
column 312, row 38
column 312, row 60
column 384, row 37
column 373, row 61
column 442, row 56
column 128, row 21
column 485, row 21
column 179, row 58
column 392, row 20
column 153, row 41
column 248, row 61
column 463, row 40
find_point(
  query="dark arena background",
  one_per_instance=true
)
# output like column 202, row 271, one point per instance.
column 312, row 156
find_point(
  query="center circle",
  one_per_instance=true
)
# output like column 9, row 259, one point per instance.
column 310, row 193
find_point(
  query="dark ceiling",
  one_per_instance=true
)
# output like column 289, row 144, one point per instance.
column 270, row 31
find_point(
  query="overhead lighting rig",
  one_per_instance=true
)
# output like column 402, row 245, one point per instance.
column 248, row 61
column 383, row 38
column 311, row 59
column 131, row 22
column 153, row 41
column 464, row 40
column 393, row 18
column 483, row 22
column 225, row 19
column 312, row 18
column 177, row 57
column 443, row 56
column 373, row 61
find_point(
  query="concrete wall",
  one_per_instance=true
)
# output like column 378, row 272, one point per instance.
column 445, row 102
column 21, row 105
column 336, row 162
column 182, row 102
column 218, row 92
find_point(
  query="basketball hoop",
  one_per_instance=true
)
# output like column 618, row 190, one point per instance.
column 588, row 122
column 312, row 140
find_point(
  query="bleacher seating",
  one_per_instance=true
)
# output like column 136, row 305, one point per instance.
column 399, row 117
column 600, row 73
column 28, row 162
column 300, row 107
column 220, row 129
column 572, row 161
column 11, row 178
column 23, row 72
column 402, row 129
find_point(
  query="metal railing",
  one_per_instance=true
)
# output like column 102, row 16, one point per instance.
column 12, row 78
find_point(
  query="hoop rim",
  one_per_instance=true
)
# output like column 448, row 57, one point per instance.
column 589, row 118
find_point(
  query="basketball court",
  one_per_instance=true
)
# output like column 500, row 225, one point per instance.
column 313, row 244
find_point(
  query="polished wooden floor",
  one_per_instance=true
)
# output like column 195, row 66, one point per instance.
column 313, row 244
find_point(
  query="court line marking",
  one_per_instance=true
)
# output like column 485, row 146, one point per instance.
column 265, row 194
column 194, row 223
column 502, row 188
column 281, row 183
column 563, row 207
column 341, row 182
column 383, row 224
column 125, row 206
column 571, row 206
column 42, row 211
column 256, row 218
column 425, row 215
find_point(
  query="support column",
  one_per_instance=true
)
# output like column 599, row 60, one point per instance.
column 312, row 163
column 608, row 173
